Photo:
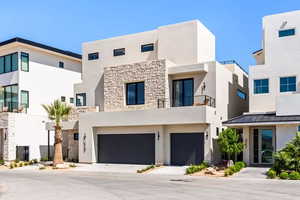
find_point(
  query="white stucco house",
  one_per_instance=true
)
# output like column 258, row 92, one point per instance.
column 158, row 97
column 32, row 74
column 274, row 90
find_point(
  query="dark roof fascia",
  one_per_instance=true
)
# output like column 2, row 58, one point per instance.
column 255, row 52
column 39, row 45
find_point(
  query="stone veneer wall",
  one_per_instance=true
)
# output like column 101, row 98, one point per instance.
column 70, row 146
column 153, row 73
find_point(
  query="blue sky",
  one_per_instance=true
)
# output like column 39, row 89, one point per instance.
column 67, row 23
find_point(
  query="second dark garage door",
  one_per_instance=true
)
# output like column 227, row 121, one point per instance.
column 187, row 148
column 126, row 148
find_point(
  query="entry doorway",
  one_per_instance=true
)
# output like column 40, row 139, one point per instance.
column 263, row 145
column 22, row 153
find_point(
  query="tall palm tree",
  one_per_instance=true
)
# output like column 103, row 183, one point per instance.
column 58, row 111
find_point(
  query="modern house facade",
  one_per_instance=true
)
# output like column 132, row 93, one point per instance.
column 274, row 85
column 31, row 74
column 155, row 97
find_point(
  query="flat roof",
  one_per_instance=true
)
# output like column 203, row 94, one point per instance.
column 42, row 46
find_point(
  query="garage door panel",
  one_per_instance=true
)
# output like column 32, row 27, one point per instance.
column 187, row 148
column 126, row 148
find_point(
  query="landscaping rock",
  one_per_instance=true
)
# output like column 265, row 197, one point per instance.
column 62, row 166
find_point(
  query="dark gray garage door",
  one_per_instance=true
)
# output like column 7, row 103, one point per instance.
column 187, row 148
column 126, row 148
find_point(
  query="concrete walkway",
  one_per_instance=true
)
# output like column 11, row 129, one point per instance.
column 110, row 168
column 252, row 173
column 169, row 170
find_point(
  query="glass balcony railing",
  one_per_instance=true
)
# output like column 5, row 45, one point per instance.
column 198, row 100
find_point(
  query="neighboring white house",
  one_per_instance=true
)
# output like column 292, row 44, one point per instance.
column 161, row 97
column 31, row 74
column 274, row 84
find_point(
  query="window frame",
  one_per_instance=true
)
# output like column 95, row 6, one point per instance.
column 25, row 55
column 10, row 56
column 143, row 46
column 7, row 100
column 27, row 103
column 286, row 30
column 240, row 91
column 287, row 84
column 63, row 99
column 71, row 100
column 136, row 93
column 261, row 93
column 61, row 64
column 93, row 56
column 119, row 52
column 84, row 99
column 75, row 136
column 183, row 92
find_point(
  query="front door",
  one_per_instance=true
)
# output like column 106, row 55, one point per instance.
column 263, row 143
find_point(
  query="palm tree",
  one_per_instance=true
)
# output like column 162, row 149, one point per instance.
column 57, row 112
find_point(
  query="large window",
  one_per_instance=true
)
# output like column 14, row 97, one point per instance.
column 183, row 92
column 286, row 32
column 288, row 84
column 24, row 62
column 25, row 98
column 81, row 99
column 9, row 63
column 135, row 93
column 9, row 97
column 119, row 52
column 261, row 86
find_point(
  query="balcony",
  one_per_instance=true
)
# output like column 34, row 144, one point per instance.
column 198, row 100
column 76, row 111
column 12, row 107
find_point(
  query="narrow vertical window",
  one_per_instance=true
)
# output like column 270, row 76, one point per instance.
column 1, row 65
column 24, row 62
column 61, row 64
column 63, row 99
column 25, row 98
column 14, row 62
column 81, row 99
column 7, row 63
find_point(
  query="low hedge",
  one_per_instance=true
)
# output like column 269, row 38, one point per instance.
column 285, row 175
column 235, row 168
column 196, row 168
column 145, row 169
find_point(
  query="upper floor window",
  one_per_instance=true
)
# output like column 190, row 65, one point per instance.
column 75, row 136
column 93, row 56
column 288, row 84
column 286, row 32
column 183, row 92
column 9, row 97
column 9, row 63
column 261, row 86
column 63, row 99
column 241, row 94
column 61, row 64
column 147, row 47
column 25, row 98
column 135, row 93
column 81, row 99
column 71, row 100
column 119, row 52
column 24, row 62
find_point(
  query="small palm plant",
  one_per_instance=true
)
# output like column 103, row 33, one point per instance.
column 57, row 112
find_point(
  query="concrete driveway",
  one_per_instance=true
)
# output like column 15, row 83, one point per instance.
column 109, row 168
column 75, row 185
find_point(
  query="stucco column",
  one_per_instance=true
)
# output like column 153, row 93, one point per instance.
column 159, row 146
column 246, row 141
column 87, row 144
column 208, row 143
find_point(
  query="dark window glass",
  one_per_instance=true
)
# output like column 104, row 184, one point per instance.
column 76, row 136
column 1, row 65
column 135, row 93
column 147, row 47
column 287, row 32
column 93, row 56
column 261, row 86
column 25, row 98
column 7, row 67
column 63, row 99
column 10, row 97
column 288, row 84
column 241, row 94
column 71, row 100
column 217, row 131
column 61, row 64
column 14, row 62
column 81, row 99
column 255, row 146
column 24, row 62
column 183, row 92
column 119, row 52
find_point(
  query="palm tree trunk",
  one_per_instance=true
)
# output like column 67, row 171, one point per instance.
column 58, row 157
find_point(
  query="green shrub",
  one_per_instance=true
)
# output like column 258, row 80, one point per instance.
column 145, row 169
column 196, row 168
column 284, row 175
column 15, row 165
column 294, row 176
column 26, row 163
column 11, row 165
column 2, row 162
column 44, row 159
column 31, row 162
column 72, row 165
column 42, row 167
column 17, row 161
column 288, row 158
column 35, row 161
column 21, row 164
column 240, row 164
column 271, row 173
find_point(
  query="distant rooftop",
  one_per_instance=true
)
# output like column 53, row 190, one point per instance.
column 39, row 45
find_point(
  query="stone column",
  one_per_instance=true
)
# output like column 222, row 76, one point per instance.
column 246, row 141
